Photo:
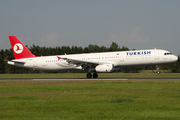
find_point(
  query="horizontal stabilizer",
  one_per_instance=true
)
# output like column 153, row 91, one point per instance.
column 15, row 63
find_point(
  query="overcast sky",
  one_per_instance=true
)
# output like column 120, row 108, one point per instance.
column 136, row 24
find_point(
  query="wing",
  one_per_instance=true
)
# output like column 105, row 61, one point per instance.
column 84, row 64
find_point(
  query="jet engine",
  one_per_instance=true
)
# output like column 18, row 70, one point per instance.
column 105, row 68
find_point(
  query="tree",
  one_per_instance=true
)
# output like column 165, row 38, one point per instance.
column 45, row 51
column 2, row 70
column 114, row 46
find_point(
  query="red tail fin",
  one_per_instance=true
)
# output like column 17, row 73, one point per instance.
column 19, row 50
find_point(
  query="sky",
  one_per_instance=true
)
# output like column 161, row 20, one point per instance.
column 136, row 24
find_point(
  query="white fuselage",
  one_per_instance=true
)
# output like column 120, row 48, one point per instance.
column 117, row 59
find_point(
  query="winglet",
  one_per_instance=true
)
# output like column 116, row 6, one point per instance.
column 19, row 49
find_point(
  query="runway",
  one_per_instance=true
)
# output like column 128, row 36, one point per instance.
column 84, row 79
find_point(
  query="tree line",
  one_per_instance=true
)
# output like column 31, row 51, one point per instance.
column 7, row 54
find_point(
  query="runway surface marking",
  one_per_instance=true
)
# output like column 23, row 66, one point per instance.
column 76, row 79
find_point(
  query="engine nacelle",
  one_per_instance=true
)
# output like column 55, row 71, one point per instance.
column 104, row 68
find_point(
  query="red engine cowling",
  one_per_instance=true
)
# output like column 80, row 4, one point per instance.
column 104, row 68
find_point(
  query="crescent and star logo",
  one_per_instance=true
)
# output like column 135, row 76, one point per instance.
column 18, row 48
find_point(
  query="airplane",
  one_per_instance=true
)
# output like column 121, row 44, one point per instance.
column 98, row 62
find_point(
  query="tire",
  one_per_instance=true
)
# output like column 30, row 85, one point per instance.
column 88, row 75
column 158, row 72
column 95, row 75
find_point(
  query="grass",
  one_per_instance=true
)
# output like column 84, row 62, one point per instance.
column 101, row 75
column 90, row 100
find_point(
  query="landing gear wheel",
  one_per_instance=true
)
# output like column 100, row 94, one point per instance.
column 158, row 72
column 89, row 75
column 95, row 75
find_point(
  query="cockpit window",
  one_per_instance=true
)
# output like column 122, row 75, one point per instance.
column 167, row 53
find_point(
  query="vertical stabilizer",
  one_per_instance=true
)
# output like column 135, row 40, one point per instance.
column 19, row 49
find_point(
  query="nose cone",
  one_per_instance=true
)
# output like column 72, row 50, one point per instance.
column 175, row 58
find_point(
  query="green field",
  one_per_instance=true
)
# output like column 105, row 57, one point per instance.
column 90, row 100
column 101, row 75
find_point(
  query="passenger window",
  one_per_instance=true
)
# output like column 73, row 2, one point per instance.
column 164, row 53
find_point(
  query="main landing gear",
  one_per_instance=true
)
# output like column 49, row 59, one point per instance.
column 158, row 72
column 89, row 75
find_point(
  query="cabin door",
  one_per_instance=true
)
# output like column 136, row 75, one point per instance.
column 121, row 58
column 35, row 63
column 156, row 55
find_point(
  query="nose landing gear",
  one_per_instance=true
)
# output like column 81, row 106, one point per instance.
column 158, row 72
